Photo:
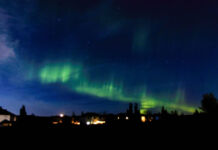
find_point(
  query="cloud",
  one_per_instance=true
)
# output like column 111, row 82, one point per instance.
column 6, row 49
column 6, row 46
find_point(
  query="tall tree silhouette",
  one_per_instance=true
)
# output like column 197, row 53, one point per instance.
column 209, row 104
column 23, row 111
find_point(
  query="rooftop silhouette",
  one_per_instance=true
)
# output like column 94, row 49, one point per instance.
column 206, row 116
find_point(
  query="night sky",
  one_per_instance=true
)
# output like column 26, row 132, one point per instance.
column 64, row 56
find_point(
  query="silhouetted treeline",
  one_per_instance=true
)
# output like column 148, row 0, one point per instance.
column 206, row 117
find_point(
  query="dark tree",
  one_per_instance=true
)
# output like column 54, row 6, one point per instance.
column 23, row 111
column 196, row 112
column 209, row 104
column 130, row 110
column 174, row 113
column 136, row 109
column 164, row 111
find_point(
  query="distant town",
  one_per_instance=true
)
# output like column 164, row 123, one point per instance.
column 8, row 119
column 130, row 118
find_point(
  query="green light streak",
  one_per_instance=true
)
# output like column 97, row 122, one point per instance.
column 108, row 90
column 72, row 76
column 59, row 73
column 118, row 93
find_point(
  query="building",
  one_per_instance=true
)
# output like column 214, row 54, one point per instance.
column 92, row 119
column 6, row 116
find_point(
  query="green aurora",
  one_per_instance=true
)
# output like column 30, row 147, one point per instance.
column 73, row 77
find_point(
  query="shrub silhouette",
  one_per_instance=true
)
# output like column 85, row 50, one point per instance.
column 209, row 104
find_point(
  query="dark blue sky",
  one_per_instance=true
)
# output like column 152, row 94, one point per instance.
column 93, row 55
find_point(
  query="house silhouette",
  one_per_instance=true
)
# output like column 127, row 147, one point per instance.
column 6, row 116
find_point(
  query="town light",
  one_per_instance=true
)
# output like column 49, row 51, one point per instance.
column 75, row 122
column 143, row 119
column 61, row 115
column 88, row 123
column 98, row 122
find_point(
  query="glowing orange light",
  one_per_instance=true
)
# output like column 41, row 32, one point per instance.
column 143, row 119
column 55, row 122
column 76, row 122
column 98, row 122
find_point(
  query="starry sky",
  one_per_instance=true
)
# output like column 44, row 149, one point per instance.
column 64, row 56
